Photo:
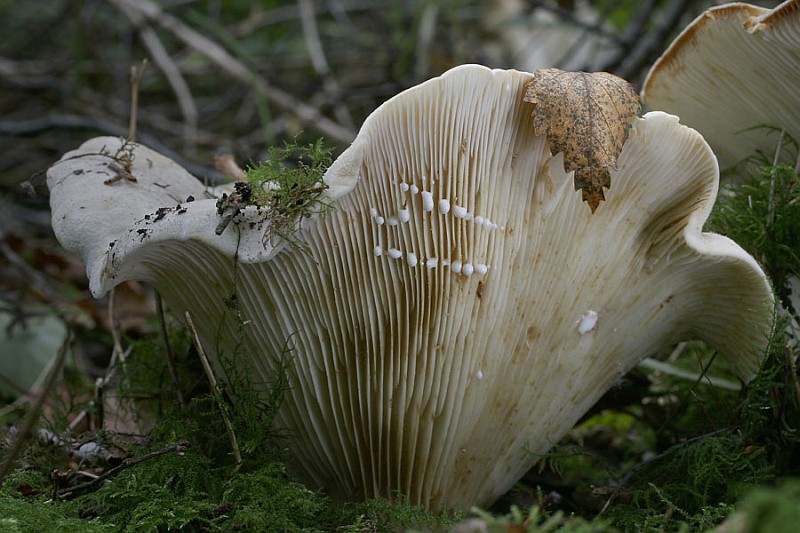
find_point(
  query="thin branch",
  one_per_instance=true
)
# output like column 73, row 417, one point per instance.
column 118, row 355
column 633, row 33
column 425, row 36
column 226, row 164
column 33, row 415
column 179, row 447
column 654, row 40
column 39, row 283
column 237, row 454
column 797, row 163
column 670, row 451
column 236, row 69
column 136, row 77
column 20, row 390
column 171, row 71
column 319, row 61
column 792, row 372
column 589, row 27
column 36, row 126
column 169, row 355
column 116, row 336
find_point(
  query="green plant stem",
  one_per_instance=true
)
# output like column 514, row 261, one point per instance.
column 771, row 200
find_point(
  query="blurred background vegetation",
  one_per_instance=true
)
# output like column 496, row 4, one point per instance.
column 239, row 76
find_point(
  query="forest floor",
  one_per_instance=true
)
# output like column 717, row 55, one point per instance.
column 100, row 433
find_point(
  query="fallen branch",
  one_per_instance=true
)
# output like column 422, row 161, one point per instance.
column 67, row 492
column 653, row 41
column 320, row 62
column 236, row 69
column 170, row 70
column 33, row 415
column 651, row 460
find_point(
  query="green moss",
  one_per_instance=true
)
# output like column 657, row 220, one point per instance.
column 693, row 485
column 145, row 375
column 536, row 521
column 288, row 186
column 693, row 479
column 771, row 510
column 762, row 215
column 266, row 499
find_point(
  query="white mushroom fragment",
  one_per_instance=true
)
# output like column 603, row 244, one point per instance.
column 443, row 383
column 733, row 70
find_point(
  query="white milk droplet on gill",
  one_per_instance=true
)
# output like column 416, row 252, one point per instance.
column 587, row 322
column 427, row 201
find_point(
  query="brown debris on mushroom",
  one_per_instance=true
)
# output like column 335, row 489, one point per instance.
column 587, row 117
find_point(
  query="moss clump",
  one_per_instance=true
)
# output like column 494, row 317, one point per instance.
column 763, row 216
column 773, row 510
column 288, row 186
column 693, row 485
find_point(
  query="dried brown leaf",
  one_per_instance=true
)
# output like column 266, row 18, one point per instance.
column 586, row 116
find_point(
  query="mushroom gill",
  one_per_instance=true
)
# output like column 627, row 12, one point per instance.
column 460, row 308
column 730, row 73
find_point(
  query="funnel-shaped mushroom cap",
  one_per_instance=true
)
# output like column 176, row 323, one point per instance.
column 735, row 68
column 460, row 307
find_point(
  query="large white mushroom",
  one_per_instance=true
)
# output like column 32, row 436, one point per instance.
column 733, row 70
column 460, row 307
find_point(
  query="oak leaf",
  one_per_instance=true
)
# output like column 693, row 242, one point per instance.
column 587, row 117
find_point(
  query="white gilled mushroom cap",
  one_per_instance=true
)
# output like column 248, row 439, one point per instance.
column 436, row 355
column 732, row 70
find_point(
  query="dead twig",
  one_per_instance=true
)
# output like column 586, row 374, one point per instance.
column 237, row 453
column 632, row 34
column 236, row 69
column 425, row 37
column 118, row 355
column 670, row 451
column 67, row 492
column 320, row 62
column 122, row 174
column 226, row 164
column 40, row 282
column 793, row 374
column 170, row 70
column 653, row 40
column 33, row 415
column 136, row 77
column 36, row 126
